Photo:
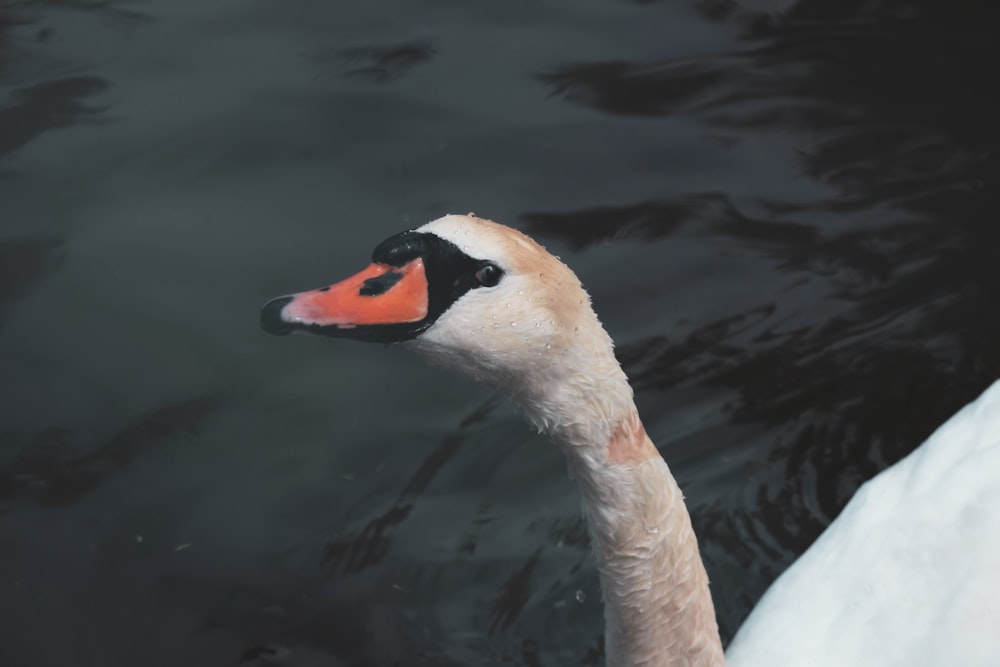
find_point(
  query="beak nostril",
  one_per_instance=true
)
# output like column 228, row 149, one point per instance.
column 271, row 320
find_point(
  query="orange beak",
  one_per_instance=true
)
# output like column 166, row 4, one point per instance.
column 373, row 300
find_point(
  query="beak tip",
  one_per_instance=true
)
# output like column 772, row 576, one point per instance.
column 271, row 319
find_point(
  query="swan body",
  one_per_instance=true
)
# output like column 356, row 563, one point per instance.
column 909, row 574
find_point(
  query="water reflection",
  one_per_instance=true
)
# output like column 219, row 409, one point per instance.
column 382, row 64
column 24, row 262
column 51, row 472
column 514, row 594
column 45, row 106
column 713, row 213
column 369, row 547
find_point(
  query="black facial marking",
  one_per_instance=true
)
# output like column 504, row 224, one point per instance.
column 400, row 249
column 450, row 274
column 380, row 284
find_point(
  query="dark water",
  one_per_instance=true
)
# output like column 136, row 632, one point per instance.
column 787, row 214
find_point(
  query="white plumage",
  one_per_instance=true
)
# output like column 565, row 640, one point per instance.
column 908, row 574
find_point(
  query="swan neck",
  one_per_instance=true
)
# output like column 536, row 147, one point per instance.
column 657, row 605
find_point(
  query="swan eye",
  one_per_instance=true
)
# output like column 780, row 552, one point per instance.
column 489, row 275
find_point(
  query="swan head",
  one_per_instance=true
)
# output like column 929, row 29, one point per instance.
column 472, row 295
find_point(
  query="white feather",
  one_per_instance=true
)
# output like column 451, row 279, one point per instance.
column 908, row 574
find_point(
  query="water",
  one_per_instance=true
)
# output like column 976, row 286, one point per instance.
column 786, row 217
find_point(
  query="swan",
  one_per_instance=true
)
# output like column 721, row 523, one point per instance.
column 908, row 574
